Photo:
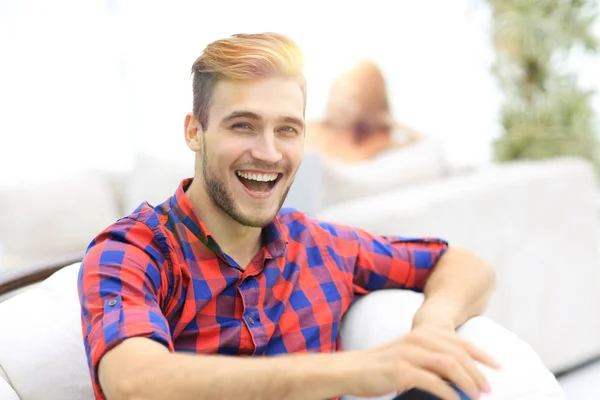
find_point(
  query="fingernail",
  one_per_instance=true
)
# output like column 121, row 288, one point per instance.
column 486, row 388
column 497, row 363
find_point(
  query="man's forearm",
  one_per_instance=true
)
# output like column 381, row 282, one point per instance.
column 459, row 288
column 302, row 377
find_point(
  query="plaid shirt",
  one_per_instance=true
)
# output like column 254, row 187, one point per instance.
column 158, row 273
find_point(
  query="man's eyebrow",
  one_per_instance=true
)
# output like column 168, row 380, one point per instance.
column 241, row 114
column 292, row 120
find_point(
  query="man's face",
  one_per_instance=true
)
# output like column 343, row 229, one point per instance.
column 252, row 148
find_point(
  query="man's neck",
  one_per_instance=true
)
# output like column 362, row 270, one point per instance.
column 236, row 240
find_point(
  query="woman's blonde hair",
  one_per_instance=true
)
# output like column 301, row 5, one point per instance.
column 244, row 57
column 358, row 101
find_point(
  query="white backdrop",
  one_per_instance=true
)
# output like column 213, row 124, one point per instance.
column 86, row 83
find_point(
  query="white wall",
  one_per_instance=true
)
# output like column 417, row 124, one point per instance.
column 86, row 83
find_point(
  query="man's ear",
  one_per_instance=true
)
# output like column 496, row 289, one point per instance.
column 192, row 132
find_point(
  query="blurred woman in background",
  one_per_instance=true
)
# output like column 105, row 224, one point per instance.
column 358, row 124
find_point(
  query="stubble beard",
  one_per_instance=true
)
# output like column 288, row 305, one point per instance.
column 224, row 199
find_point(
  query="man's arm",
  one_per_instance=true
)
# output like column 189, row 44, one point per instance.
column 459, row 287
column 456, row 283
column 140, row 368
column 387, row 262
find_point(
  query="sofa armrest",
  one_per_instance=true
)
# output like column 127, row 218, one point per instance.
column 15, row 280
column 387, row 314
column 535, row 222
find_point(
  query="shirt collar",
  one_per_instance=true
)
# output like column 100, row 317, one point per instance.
column 274, row 236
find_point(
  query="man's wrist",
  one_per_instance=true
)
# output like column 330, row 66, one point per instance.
column 335, row 374
column 437, row 312
column 347, row 370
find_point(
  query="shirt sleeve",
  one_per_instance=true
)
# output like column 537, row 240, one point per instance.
column 121, row 281
column 387, row 262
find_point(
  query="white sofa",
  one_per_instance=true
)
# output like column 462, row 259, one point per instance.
column 536, row 222
column 42, row 355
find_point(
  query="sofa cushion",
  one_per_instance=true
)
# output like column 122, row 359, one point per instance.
column 394, row 169
column 155, row 179
column 54, row 218
column 41, row 344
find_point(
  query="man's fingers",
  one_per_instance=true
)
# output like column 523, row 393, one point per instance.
column 479, row 355
column 462, row 352
column 466, row 360
column 451, row 369
column 475, row 352
column 431, row 383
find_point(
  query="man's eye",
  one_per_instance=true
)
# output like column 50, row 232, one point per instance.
column 241, row 125
column 288, row 130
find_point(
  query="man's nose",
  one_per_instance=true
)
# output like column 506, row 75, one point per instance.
column 266, row 149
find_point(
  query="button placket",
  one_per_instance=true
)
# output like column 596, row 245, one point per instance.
column 246, row 302
column 249, row 300
column 250, row 293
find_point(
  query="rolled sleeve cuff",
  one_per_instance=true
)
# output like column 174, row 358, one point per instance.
column 118, row 324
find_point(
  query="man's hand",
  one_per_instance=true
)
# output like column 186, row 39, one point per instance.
column 428, row 358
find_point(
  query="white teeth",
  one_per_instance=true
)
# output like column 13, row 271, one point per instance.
column 258, row 177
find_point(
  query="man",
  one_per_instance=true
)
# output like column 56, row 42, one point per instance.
column 171, row 293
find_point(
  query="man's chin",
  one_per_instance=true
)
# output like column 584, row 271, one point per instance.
column 259, row 218
column 259, row 212
column 254, row 221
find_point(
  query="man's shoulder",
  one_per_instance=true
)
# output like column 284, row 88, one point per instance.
column 138, row 240
column 147, row 214
column 143, row 226
column 143, row 217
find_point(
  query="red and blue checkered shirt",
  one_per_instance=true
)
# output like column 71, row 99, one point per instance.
column 158, row 273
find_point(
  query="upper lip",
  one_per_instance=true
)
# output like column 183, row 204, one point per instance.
column 255, row 171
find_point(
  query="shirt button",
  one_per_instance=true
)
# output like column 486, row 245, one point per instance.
column 251, row 320
column 112, row 303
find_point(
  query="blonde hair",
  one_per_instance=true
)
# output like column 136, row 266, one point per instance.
column 243, row 57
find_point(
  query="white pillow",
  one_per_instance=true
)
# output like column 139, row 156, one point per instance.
column 41, row 342
column 368, row 324
column 394, row 169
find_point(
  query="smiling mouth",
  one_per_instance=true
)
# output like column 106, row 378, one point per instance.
column 258, row 182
